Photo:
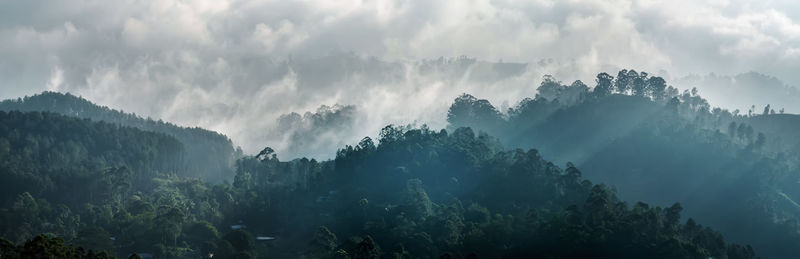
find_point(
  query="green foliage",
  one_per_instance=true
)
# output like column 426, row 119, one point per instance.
column 418, row 204
column 114, row 203
column 409, row 192
column 403, row 197
column 199, row 232
column 323, row 244
column 467, row 110
column 57, row 154
column 44, row 246
column 660, row 145
column 208, row 154
column 367, row 249
column 96, row 238
column 241, row 241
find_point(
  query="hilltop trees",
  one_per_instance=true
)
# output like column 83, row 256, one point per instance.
column 658, row 88
column 467, row 109
column 604, row 85
column 660, row 145
column 627, row 82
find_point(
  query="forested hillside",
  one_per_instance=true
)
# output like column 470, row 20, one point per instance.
column 209, row 155
column 421, row 193
column 417, row 193
column 47, row 153
column 660, row 145
column 74, row 163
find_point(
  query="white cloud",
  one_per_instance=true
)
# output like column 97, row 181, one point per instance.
column 283, row 36
column 56, row 79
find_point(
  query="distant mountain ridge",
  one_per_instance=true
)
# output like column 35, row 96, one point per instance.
column 740, row 91
column 209, row 155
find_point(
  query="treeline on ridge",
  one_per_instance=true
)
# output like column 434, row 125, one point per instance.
column 657, row 144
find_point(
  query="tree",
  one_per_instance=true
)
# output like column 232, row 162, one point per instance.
column 574, row 93
column 741, row 131
column 199, row 232
column 265, row 154
column 760, row 140
column 44, row 246
column 241, row 241
column 5, row 147
column 732, row 129
column 7, row 249
column 550, row 88
column 604, row 86
column 367, row 249
column 366, row 144
column 673, row 216
column 468, row 111
column 657, row 86
column 169, row 223
column 640, row 87
column 749, row 133
column 341, row 254
column 323, row 243
column 243, row 180
column 417, row 200
column 391, row 133
column 623, row 82
column 96, row 238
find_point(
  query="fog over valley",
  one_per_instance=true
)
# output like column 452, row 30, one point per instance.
column 236, row 66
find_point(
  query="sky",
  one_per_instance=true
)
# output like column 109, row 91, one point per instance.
column 267, row 72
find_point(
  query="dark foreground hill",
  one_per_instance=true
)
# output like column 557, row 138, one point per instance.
column 417, row 193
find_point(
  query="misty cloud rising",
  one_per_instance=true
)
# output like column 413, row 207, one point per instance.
column 249, row 69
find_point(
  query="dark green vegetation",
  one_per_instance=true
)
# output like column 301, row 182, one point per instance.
column 736, row 172
column 417, row 193
column 50, row 154
column 208, row 154
column 111, row 186
column 421, row 193
column 43, row 246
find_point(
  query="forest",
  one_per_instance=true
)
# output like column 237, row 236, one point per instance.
column 208, row 155
column 627, row 168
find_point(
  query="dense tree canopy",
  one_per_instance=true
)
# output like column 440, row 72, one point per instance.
column 480, row 189
column 208, row 154
column 422, row 193
column 659, row 145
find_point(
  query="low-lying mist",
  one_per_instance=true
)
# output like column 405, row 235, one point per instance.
column 310, row 107
column 237, row 66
